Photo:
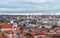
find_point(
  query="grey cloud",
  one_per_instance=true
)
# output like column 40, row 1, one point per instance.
column 28, row 6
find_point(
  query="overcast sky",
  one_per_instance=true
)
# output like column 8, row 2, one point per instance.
column 29, row 6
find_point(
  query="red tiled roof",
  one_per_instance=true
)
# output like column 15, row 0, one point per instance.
column 6, row 25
